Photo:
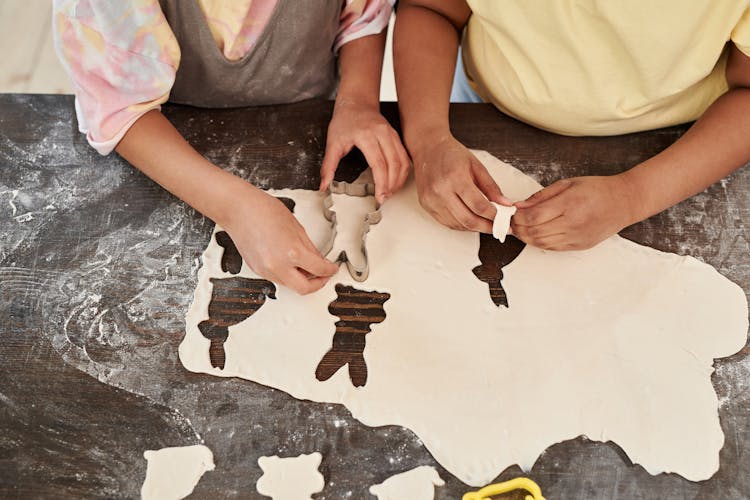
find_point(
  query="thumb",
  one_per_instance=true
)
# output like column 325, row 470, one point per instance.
column 545, row 194
column 488, row 186
column 316, row 265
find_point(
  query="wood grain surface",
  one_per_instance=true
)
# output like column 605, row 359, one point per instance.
column 98, row 266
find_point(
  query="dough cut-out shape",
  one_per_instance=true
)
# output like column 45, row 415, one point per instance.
column 172, row 473
column 501, row 224
column 292, row 478
column 415, row 484
column 616, row 343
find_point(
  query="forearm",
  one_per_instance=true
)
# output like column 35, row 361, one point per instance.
column 360, row 65
column 357, row 121
column 158, row 150
column 425, row 49
column 715, row 146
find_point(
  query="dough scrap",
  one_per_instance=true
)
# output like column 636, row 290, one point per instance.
column 501, row 224
column 415, row 484
column 292, row 478
column 172, row 473
column 615, row 343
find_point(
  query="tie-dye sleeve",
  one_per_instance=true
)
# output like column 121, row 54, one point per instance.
column 122, row 57
column 360, row 18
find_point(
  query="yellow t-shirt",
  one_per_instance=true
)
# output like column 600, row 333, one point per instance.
column 602, row 67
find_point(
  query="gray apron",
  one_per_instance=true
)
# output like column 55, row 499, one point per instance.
column 292, row 60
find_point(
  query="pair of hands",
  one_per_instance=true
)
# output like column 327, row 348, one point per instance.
column 571, row 214
column 271, row 240
column 454, row 187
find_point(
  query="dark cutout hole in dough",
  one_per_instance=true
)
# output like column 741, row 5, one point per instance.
column 288, row 203
column 494, row 256
column 232, row 300
column 357, row 310
column 231, row 260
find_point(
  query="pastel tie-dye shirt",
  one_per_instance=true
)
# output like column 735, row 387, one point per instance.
column 123, row 57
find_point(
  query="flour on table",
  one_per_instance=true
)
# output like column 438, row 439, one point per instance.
column 292, row 478
column 415, row 484
column 615, row 343
column 501, row 224
column 172, row 473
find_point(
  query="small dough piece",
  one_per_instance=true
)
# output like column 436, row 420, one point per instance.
column 292, row 478
column 415, row 484
column 501, row 225
column 172, row 473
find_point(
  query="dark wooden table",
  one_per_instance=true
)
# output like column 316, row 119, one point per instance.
column 98, row 266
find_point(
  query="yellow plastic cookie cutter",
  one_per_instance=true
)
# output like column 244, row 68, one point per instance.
column 519, row 483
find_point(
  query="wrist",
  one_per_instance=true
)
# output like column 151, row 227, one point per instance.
column 357, row 99
column 229, row 200
column 420, row 140
column 635, row 206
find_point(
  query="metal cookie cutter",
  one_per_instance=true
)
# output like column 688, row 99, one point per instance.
column 372, row 218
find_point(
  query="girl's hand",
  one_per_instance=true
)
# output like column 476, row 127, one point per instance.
column 361, row 125
column 575, row 214
column 274, row 244
column 454, row 187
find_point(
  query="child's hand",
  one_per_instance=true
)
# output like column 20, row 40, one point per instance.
column 455, row 188
column 360, row 125
column 575, row 214
column 274, row 244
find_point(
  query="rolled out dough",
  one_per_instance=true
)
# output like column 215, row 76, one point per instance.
column 292, row 478
column 616, row 343
column 172, row 473
column 415, row 484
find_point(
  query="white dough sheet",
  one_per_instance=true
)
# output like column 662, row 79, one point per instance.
column 615, row 343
